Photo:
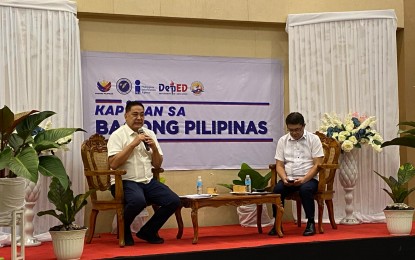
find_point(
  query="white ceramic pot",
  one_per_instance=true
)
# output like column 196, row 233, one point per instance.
column 12, row 192
column 399, row 222
column 68, row 244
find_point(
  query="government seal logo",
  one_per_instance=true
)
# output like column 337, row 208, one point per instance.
column 197, row 88
column 124, row 86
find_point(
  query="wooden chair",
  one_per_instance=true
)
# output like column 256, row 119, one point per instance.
column 325, row 193
column 98, row 175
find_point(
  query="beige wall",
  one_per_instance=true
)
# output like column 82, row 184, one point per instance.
column 231, row 28
column 406, row 75
column 268, row 11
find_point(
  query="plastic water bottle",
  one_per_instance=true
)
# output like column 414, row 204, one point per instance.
column 248, row 184
column 199, row 185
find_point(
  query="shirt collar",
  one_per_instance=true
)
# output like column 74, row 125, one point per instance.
column 129, row 131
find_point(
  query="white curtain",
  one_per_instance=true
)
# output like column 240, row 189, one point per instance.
column 347, row 62
column 41, row 69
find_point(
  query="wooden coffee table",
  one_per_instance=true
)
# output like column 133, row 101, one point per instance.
column 231, row 200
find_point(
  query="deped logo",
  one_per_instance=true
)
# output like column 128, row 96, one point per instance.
column 173, row 88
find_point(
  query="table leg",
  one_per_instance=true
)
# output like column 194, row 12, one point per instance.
column 278, row 219
column 179, row 220
column 195, row 225
column 259, row 217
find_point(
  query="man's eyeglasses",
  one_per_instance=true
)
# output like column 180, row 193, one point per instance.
column 295, row 130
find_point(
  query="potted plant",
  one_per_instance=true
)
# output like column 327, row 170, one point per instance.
column 26, row 150
column 68, row 237
column 406, row 137
column 400, row 188
column 398, row 214
column 258, row 182
column 248, row 213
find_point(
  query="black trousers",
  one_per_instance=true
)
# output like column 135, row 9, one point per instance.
column 136, row 197
column 306, row 191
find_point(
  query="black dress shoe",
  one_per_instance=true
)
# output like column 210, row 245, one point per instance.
column 310, row 229
column 272, row 232
column 128, row 239
column 129, row 242
column 152, row 239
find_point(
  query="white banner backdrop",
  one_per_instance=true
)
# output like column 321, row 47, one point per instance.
column 207, row 112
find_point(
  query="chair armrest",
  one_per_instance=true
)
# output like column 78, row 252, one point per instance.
column 119, row 190
column 326, row 166
column 274, row 177
column 105, row 172
column 156, row 173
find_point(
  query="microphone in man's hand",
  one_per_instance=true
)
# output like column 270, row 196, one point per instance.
column 141, row 131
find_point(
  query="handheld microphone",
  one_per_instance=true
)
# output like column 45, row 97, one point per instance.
column 141, row 131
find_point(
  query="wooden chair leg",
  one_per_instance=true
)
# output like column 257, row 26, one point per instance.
column 329, row 204
column 92, row 221
column 298, row 202
column 320, row 216
column 120, row 225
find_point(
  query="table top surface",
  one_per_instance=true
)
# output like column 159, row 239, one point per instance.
column 231, row 196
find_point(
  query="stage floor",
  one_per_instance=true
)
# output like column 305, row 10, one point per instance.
column 217, row 238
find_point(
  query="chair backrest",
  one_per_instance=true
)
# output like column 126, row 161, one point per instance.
column 95, row 158
column 330, row 163
column 94, row 154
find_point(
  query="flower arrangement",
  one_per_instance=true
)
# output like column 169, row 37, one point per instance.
column 353, row 131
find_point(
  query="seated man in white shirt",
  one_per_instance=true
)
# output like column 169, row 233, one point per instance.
column 136, row 150
column 298, row 154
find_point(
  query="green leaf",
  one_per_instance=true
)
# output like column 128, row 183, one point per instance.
column 25, row 164
column 258, row 181
column 44, row 138
column 9, row 122
column 408, row 123
column 64, row 202
column 45, row 145
column 62, row 199
column 6, row 120
column 80, row 201
column 5, row 157
column 17, row 143
column 26, row 127
column 229, row 186
column 49, row 212
column 398, row 188
column 406, row 137
column 51, row 165
column 408, row 141
column 405, row 173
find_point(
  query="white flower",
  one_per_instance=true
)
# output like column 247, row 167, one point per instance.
column 347, row 146
column 353, row 132
column 48, row 125
column 353, row 139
